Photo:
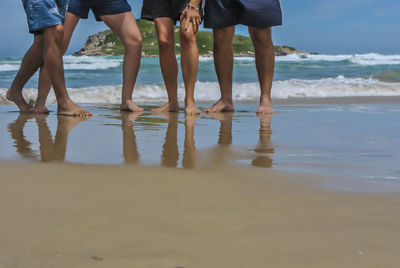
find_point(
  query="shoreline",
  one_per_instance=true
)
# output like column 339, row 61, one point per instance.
column 276, row 101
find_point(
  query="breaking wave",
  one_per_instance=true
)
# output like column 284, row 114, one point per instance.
column 209, row 91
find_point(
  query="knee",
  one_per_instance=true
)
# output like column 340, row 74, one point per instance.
column 223, row 40
column 133, row 42
column 261, row 37
column 59, row 34
column 188, row 38
column 166, row 42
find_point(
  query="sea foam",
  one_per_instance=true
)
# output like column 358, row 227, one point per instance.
column 209, row 91
column 359, row 59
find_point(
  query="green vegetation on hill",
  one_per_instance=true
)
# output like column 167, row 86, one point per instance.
column 241, row 44
column 107, row 43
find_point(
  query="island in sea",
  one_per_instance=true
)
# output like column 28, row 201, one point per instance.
column 107, row 43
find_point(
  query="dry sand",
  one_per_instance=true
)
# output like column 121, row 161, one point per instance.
column 64, row 215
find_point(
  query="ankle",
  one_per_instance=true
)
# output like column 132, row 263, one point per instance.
column 173, row 101
column 265, row 99
column 189, row 101
column 64, row 102
column 227, row 100
column 126, row 100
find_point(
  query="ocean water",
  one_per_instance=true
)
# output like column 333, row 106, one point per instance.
column 98, row 79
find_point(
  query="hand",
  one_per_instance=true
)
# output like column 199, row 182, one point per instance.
column 192, row 16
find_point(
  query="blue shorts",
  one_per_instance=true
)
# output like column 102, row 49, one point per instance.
column 254, row 13
column 44, row 13
column 99, row 8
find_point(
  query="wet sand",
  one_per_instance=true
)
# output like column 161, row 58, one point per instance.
column 228, row 190
column 67, row 215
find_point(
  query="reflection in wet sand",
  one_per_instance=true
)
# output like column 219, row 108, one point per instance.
column 131, row 154
column 189, row 150
column 264, row 146
column 49, row 150
column 221, row 152
column 170, row 152
column 16, row 130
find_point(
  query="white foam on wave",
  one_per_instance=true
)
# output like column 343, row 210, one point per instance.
column 359, row 59
column 8, row 67
column 209, row 91
column 73, row 63
column 91, row 63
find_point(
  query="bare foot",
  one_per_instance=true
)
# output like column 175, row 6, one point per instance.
column 71, row 109
column 40, row 110
column 192, row 109
column 130, row 106
column 16, row 97
column 169, row 107
column 220, row 106
column 265, row 106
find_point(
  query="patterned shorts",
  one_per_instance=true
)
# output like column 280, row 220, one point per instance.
column 44, row 13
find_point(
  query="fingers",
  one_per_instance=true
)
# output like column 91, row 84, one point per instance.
column 188, row 21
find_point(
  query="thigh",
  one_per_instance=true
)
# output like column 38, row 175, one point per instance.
column 164, row 28
column 123, row 25
column 260, row 13
column 70, row 23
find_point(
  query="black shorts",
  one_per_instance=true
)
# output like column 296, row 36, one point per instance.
column 81, row 8
column 162, row 8
column 254, row 13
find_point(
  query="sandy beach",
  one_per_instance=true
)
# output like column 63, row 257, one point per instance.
column 65, row 215
column 314, row 185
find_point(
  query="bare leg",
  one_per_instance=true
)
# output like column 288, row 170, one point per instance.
column 190, row 65
column 31, row 62
column 44, row 79
column 125, row 27
column 169, row 65
column 265, row 63
column 43, row 91
column 53, row 37
column 223, row 61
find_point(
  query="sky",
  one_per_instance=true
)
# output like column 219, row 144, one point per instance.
column 322, row 26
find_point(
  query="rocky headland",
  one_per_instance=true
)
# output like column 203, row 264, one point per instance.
column 107, row 43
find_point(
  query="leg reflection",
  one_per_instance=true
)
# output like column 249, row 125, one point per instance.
column 16, row 130
column 46, row 145
column 64, row 126
column 131, row 154
column 264, row 146
column 221, row 152
column 170, row 153
column 189, row 151
column 49, row 150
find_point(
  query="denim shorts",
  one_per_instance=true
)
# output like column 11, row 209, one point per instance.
column 99, row 8
column 44, row 13
column 254, row 13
